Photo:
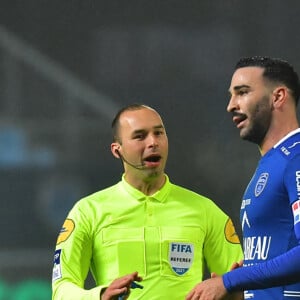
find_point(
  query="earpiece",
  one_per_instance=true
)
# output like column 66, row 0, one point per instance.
column 138, row 166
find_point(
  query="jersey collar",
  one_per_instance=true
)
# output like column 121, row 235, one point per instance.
column 286, row 137
column 159, row 195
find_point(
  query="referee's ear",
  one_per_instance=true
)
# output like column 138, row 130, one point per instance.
column 115, row 150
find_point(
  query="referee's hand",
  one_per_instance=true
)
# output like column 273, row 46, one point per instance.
column 120, row 286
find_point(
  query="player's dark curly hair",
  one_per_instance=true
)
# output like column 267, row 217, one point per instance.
column 275, row 70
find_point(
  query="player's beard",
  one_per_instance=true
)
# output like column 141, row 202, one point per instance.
column 259, row 118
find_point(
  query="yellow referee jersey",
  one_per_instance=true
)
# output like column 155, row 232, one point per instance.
column 166, row 237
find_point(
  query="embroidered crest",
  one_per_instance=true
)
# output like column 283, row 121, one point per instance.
column 181, row 257
column 261, row 183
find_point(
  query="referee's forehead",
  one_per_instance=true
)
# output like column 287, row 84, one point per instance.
column 142, row 119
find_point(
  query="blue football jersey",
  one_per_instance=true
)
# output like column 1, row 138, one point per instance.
column 270, row 212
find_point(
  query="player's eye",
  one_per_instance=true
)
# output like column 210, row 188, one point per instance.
column 242, row 92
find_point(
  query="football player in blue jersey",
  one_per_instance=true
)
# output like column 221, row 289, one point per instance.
column 264, row 94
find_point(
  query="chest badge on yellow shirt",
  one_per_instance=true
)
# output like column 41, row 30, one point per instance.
column 181, row 256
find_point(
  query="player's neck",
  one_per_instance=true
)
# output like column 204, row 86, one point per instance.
column 274, row 136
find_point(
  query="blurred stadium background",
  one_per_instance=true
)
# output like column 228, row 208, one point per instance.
column 66, row 67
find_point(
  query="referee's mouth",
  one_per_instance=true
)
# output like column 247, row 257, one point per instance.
column 152, row 160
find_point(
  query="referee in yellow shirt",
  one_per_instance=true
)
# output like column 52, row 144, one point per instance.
column 143, row 230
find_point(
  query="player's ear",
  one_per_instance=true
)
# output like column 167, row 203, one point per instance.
column 279, row 96
column 114, row 147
